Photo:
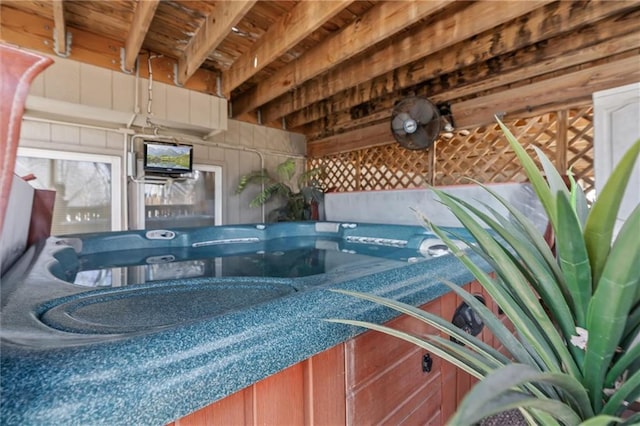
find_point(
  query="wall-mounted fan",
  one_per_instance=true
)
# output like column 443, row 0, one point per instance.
column 415, row 123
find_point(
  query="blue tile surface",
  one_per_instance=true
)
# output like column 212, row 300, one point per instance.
column 138, row 376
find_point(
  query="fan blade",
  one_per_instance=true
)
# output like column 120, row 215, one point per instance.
column 397, row 123
column 423, row 111
column 420, row 139
column 432, row 128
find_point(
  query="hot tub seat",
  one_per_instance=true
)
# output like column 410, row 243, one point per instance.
column 156, row 307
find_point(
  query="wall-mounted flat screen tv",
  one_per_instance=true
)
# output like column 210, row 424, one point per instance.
column 167, row 158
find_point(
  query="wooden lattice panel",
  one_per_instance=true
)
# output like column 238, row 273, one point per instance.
column 340, row 171
column 387, row 167
column 580, row 148
column 483, row 154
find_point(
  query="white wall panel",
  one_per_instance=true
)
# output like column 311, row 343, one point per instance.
column 246, row 135
column 199, row 109
column 61, row 81
column 37, row 86
column 65, row 134
column 123, row 95
column 177, row 104
column 219, row 116
column 35, row 130
column 87, row 85
column 93, row 137
column 95, row 86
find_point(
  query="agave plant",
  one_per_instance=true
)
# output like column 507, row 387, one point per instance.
column 575, row 355
column 297, row 203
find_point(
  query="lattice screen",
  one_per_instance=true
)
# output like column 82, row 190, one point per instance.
column 483, row 154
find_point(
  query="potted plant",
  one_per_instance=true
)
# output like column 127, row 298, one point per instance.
column 298, row 204
column 574, row 357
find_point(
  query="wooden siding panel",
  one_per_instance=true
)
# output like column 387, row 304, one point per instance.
column 368, row 357
column 389, row 392
column 279, row 399
column 228, row 411
column 325, row 388
column 427, row 410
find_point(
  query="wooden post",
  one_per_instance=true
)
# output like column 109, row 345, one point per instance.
column 358, row 171
column 431, row 177
column 561, row 141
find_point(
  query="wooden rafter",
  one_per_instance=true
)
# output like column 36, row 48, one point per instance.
column 565, row 17
column 560, row 53
column 284, row 34
column 475, row 19
column 565, row 90
column 214, row 29
column 366, row 137
column 540, row 95
column 59, row 28
column 142, row 18
column 382, row 21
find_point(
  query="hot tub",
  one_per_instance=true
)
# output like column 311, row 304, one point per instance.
column 147, row 326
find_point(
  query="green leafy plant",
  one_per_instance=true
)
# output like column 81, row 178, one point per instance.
column 279, row 185
column 575, row 355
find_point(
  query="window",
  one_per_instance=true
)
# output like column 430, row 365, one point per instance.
column 88, row 188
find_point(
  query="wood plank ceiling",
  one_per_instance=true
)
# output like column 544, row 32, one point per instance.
column 334, row 69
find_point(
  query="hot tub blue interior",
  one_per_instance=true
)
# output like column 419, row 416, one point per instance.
column 209, row 310
column 142, row 281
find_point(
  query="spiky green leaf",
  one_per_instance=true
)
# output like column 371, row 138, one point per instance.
column 433, row 320
column 511, row 400
column 573, row 258
column 600, row 420
column 628, row 392
column 611, row 303
column 455, row 360
column 579, row 201
column 555, row 182
column 533, row 173
column 552, row 346
column 601, row 221
column 513, row 377
column 629, row 357
column 534, row 269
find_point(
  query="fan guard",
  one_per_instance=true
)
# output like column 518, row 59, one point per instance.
column 415, row 123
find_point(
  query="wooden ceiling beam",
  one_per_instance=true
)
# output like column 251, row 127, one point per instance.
column 213, row 31
column 536, row 97
column 382, row 21
column 545, row 93
column 566, row 17
column 142, row 17
column 31, row 31
column 59, row 29
column 379, row 134
column 615, row 34
column 564, row 90
column 287, row 32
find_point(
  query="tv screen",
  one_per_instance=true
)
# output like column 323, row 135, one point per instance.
column 167, row 158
